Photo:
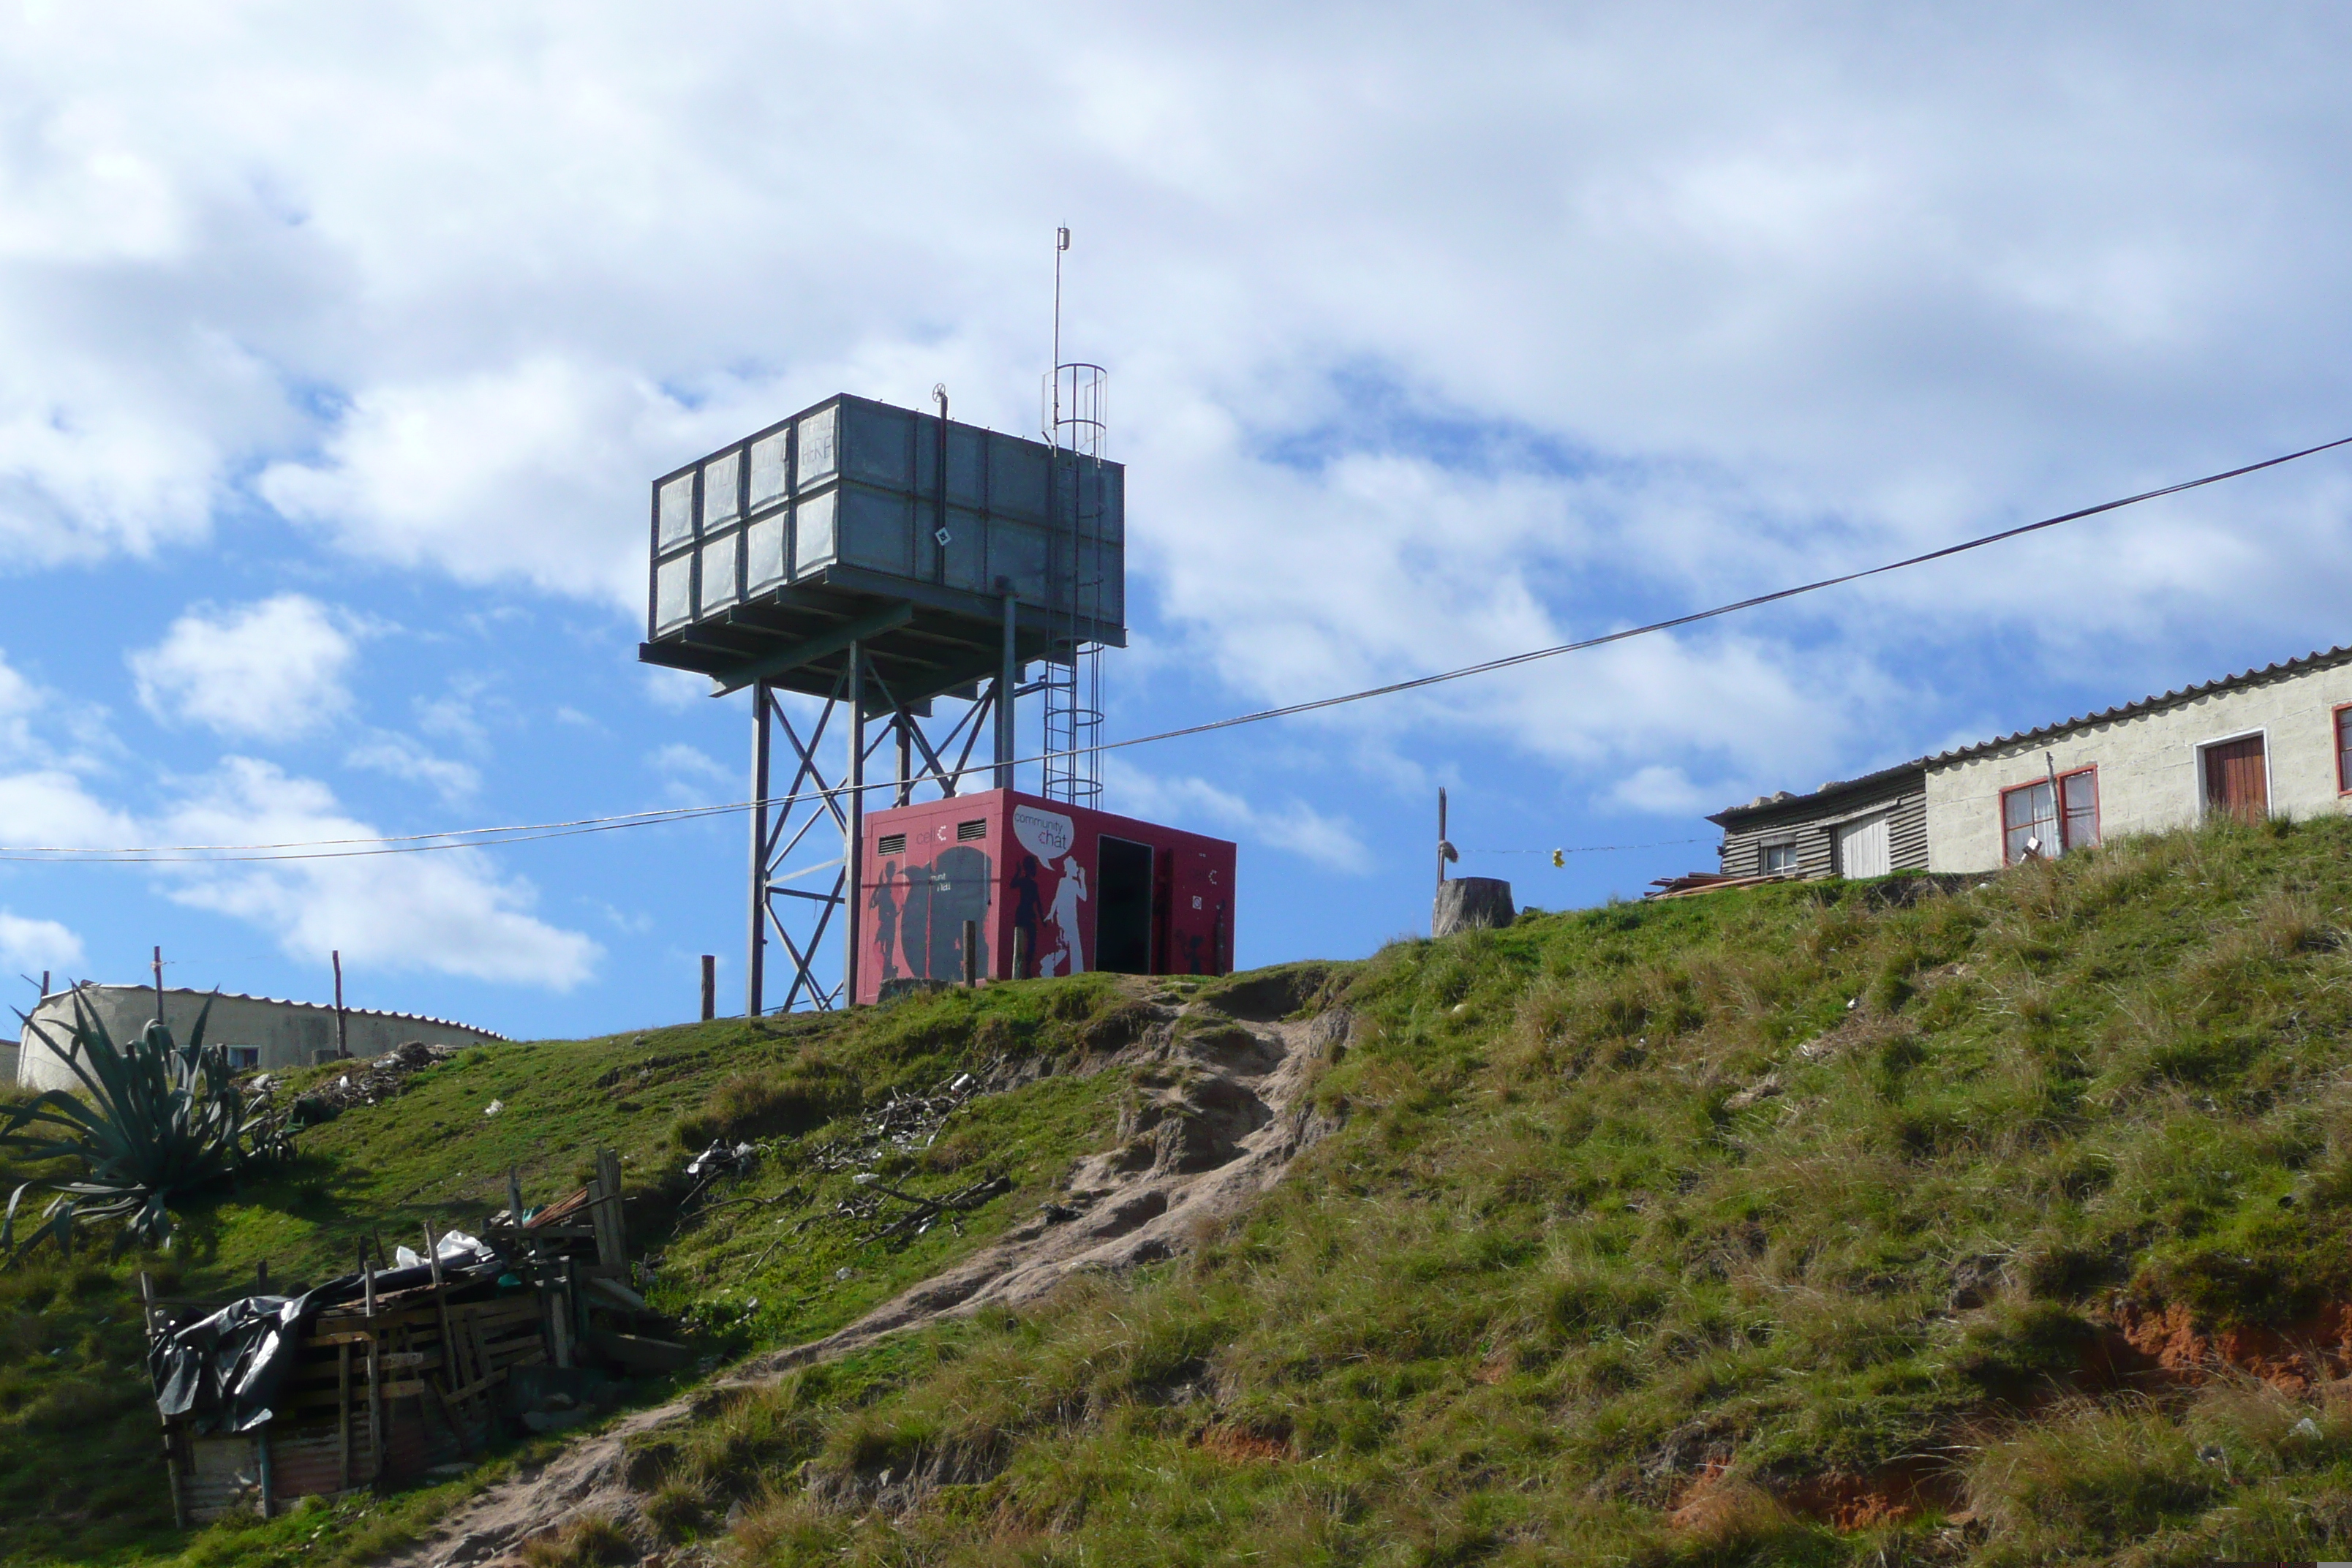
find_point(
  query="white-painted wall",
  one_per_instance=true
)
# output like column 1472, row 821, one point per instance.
column 2151, row 769
column 286, row 1033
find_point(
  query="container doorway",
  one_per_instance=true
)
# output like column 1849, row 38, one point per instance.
column 1123, row 906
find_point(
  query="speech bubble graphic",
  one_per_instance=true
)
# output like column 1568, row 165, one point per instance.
column 1044, row 834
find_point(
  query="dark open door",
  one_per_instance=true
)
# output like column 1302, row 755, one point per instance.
column 2236, row 783
column 1123, row 907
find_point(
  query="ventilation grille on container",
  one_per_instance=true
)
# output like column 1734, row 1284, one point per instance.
column 892, row 844
column 968, row 831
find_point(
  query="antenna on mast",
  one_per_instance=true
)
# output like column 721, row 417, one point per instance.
column 1071, row 411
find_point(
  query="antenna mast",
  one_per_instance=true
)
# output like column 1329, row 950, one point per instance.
column 1072, row 420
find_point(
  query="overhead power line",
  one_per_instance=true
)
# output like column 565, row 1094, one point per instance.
column 472, row 837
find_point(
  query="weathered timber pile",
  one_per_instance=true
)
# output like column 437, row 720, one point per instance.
column 383, row 1374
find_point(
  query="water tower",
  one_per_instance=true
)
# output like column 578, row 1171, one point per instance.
column 883, row 561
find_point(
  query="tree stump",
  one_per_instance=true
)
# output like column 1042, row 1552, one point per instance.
column 1466, row 902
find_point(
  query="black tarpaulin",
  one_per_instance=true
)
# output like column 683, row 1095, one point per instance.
column 223, row 1372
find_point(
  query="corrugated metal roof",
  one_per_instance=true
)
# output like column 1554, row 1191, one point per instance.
column 284, row 1002
column 2284, row 670
column 2325, row 659
column 1835, row 789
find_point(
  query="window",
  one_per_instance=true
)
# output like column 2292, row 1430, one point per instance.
column 2344, row 749
column 2030, row 827
column 243, row 1058
column 1780, row 858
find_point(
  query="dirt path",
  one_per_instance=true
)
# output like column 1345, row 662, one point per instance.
column 1221, row 1111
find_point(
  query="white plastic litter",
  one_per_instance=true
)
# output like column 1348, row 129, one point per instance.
column 454, row 1246
column 494, row 1107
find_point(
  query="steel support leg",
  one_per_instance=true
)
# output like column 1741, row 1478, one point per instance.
column 1008, row 676
column 852, row 924
column 754, row 962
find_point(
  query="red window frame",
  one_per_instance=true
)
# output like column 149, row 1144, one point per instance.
column 2335, row 718
column 2057, row 805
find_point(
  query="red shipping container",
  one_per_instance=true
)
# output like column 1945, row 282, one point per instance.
column 1071, row 889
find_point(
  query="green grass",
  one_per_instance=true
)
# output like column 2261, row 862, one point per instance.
column 1649, row 1234
column 79, row 1480
column 1802, row 1190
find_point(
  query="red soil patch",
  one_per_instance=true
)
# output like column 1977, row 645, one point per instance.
column 1897, row 1494
column 2168, row 1343
column 1716, row 1505
column 2139, row 1345
column 1240, row 1444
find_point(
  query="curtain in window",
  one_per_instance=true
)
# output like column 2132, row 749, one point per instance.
column 2082, row 809
column 2026, row 815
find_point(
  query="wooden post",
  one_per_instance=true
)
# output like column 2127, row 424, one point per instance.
column 611, row 1242
column 514, row 1199
column 261, row 1277
column 159, row 984
column 971, row 953
column 441, row 1301
column 342, row 1044
column 343, row 1414
column 710, row 986
column 1020, row 953
column 147, row 1311
column 374, row 1368
column 261, row 1456
column 375, row 1406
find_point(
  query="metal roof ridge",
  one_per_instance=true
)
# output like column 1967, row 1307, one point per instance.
column 2276, row 669
column 287, row 1002
column 1875, row 776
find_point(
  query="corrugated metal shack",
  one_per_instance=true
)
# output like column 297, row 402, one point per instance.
column 1870, row 827
column 375, row 1378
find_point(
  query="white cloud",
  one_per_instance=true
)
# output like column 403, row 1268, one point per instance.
column 544, row 448
column 51, row 809
column 449, row 912
column 1435, row 334
column 1661, row 791
column 268, row 670
column 1195, row 804
column 29, row 945
column 401, row 757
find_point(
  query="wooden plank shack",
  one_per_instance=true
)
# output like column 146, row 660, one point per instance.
column 389, row 1383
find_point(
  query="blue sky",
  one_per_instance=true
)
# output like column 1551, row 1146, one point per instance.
column 336, row 350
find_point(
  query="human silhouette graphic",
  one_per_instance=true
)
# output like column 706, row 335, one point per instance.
column 884, row 905
column 1069, row 957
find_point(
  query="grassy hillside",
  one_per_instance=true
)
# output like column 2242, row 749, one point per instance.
column 79, row 1477
column 1841, row 1223
column 1831, row 1224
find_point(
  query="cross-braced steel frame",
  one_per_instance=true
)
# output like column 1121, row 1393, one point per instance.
column 786, row 823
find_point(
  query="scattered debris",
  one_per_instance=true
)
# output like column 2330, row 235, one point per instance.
column 371, row 1082
column 722, row 1159
column 907, row 1123
column 1693, row 882
column 1763, row 1089
column 494, row 1107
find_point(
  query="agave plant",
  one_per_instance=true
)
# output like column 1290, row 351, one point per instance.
column 160, row 1119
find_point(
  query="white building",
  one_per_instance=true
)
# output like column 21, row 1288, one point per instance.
column 259, row 1031
column 2275, row 741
